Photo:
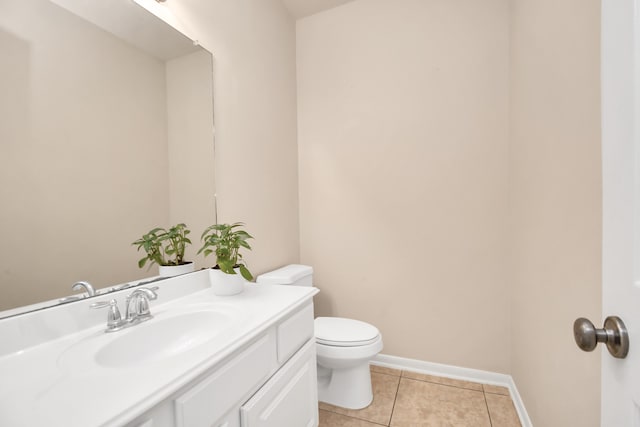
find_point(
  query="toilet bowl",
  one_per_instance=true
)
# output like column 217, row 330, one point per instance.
column 344, row 347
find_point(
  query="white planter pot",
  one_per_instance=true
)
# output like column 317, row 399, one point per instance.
column 224, row 284
column 175, row 270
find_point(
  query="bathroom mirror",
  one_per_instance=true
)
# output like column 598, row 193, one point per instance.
column 106, row 131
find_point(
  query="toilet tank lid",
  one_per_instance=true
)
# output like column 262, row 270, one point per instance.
column 285, row 275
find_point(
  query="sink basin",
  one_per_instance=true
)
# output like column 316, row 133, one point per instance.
column 163, row 337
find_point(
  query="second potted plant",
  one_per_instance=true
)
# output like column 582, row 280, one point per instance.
column 226, row 241
column 166, row 248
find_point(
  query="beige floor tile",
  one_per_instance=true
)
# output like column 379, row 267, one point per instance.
column 421, row 403
column 502, row 411
column 384, row 393
column 496, row 389
column 384, row 370
column 331, row 419
column 441, row 380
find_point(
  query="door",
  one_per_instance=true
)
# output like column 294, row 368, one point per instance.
column 620, row 60
column 290, row 397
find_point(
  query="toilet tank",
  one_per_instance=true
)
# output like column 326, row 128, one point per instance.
column 292, row 274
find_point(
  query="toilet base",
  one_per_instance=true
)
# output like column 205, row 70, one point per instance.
column 348, row 388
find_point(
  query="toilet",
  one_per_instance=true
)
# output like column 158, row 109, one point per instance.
column 344, row 347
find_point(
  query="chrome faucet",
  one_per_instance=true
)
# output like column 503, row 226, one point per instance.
column 115, row 322
column 137, row 305
column 86, row 286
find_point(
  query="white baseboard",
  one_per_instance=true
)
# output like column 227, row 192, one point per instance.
column 458, row 373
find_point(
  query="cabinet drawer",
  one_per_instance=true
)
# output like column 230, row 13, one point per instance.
column 290, row 398
column 294, row 332
column 209, row 400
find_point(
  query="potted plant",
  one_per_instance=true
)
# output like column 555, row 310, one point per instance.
column 226, row 240
column 166, row 248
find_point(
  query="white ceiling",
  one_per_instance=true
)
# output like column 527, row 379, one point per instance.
column 301, row 8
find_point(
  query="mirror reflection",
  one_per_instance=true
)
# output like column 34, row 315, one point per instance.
column 102, row 138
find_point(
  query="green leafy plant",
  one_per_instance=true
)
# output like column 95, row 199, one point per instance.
column 164, row 247
column 225, row 240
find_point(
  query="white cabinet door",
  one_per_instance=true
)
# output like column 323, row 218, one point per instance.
column 228, row 386
column 289, row 398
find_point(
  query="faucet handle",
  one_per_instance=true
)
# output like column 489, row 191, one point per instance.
column 114, row 318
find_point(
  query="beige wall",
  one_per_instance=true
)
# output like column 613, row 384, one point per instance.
column 555, row 191
column 415, row 205
column 191, row 151
column 253, row 42
column 403, row 131
column 83, row 171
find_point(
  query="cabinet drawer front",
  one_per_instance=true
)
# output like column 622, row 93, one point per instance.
column 290, row 398
column 213, row 397
column 294, row 332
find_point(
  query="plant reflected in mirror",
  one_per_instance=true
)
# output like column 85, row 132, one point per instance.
column 164, row 247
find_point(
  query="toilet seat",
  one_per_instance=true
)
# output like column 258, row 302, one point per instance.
column 340, row 332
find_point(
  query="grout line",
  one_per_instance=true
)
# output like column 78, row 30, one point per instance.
column 486, row 404
column 508, row 392
column 448, row 385
column 445, row 385
column 354, row 418
column 384, row 373
column 395, row 398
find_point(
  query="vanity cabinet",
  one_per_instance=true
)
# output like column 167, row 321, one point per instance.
column 212, row 397
column 289, row 398
column 269, row 382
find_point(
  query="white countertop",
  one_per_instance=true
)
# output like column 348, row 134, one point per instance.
column 41, row 385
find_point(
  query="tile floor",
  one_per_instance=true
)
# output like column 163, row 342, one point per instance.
column 409, row 399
